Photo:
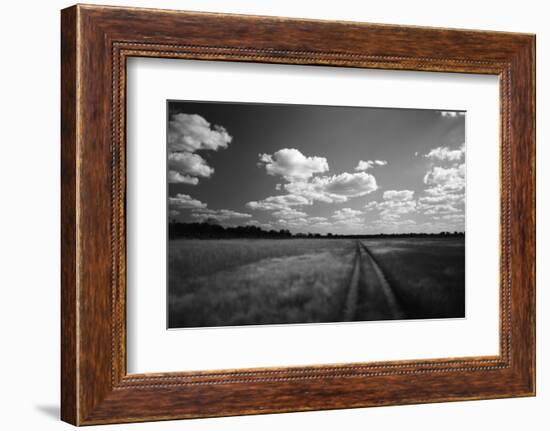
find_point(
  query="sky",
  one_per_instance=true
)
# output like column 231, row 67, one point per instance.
column 319, row 169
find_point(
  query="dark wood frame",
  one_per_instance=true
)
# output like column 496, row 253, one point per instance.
column 95, row 43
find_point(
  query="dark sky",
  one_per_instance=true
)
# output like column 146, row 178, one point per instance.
column 298, row 167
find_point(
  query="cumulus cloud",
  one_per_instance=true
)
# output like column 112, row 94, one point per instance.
column 398, row 195
column 395, row 203
column 438, row 196
column 295, row 223
column 372, row 205
column 313, row 192
column 191, row 132
column 445, row 192
column 303, row 222
column 199, row 209
column 176, row 177
column 452, row 114
column 454, row 217
column 448, row 179
column 184, row 201
column 440, row 209
column 397, row 207
column 219, row 215
column 292, row 165
column 394, row 222
column 187, row 134
column 349, row 185
column 189, row 164
column 289, row 213
column 335, row 188
column 305, row 186
column 364, row 165
column 273, row 203
column 348, row 215
column 446, row 154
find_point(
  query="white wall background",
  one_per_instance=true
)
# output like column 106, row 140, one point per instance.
column 29, row 178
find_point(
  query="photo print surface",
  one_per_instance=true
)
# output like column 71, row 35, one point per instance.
column 293, row 214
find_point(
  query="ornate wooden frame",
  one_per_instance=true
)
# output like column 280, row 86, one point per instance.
column 95, row 43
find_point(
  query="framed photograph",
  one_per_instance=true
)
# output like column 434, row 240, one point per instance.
column 264, row 215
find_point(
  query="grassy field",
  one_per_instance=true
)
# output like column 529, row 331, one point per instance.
column 257, row 281
column 276, row 281
column 426, row 274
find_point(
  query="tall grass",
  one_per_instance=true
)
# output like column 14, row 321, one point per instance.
column 192, row 257
column 426, row 274
column 250, row 282
column 266, row 281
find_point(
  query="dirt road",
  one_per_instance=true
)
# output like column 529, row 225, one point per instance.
column 370, row 296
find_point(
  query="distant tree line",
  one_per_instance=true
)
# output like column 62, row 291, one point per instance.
column 212, row 230
column 209, row 230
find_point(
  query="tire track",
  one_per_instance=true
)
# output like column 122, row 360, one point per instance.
column 392, row 305
column 350, row 306
column 370, row 295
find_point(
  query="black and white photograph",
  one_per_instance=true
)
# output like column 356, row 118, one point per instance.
column 275, row 215
column 295, row 214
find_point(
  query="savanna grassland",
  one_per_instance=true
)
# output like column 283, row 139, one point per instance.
column 426, row 274
column 225, row 282
column 257, row 281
